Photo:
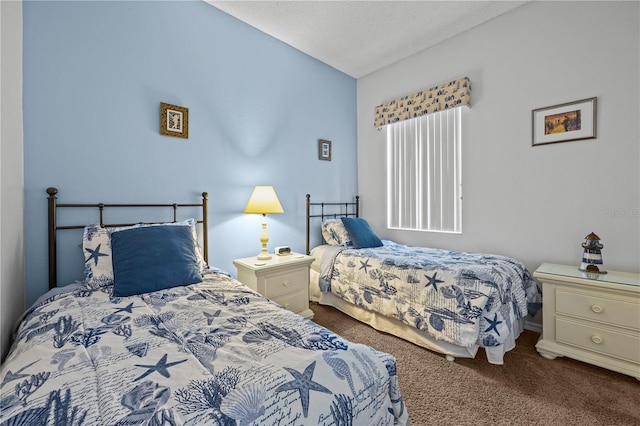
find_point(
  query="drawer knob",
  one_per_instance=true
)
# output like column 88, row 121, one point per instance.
column 286, row 283
column 597, row 340
column 597, row 309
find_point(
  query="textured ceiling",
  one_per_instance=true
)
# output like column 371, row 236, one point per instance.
column 359, row 37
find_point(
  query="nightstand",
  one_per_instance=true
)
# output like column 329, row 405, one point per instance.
column 283, row 279
column 591, row 317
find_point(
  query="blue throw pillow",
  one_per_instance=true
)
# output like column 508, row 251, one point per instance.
column 153, row 258
column 360, row 233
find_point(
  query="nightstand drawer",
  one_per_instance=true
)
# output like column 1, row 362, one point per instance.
column 295, row 301
column 608, row 342
column 285, row 282
column 593, row 307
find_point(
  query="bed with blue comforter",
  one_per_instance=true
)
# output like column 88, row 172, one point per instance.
column 449, row 301
column 212, row 352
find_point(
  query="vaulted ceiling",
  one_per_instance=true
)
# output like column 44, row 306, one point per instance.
column 360, row 37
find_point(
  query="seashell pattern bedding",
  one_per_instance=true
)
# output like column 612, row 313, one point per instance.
column 214, row 353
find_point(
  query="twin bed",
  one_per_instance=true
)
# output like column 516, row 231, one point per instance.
column 153, row 335
column 448, row 301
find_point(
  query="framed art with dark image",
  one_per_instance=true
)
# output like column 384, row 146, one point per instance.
column 570, row 121
column 174, row 120
column 324, row 150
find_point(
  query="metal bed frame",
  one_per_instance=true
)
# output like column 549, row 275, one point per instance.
column 335, row 210
column 53, row 227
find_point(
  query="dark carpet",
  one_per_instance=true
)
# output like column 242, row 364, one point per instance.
column 526, row 390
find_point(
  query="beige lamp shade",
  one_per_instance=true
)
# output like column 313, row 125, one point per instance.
column 263, row 201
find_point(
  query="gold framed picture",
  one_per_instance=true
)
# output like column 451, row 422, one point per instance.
column 174, row 120
column 324, row 150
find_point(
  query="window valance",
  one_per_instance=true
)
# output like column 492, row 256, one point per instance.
column 444, row 96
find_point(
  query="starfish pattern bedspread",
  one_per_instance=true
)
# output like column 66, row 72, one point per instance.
column 212, row 353
column 461, row 298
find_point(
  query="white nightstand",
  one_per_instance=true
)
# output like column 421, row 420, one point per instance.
column 590, row 317
column 283, row 279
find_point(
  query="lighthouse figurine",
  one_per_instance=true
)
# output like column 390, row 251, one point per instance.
column 592, row 257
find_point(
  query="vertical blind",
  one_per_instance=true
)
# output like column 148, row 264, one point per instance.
column 424, row 175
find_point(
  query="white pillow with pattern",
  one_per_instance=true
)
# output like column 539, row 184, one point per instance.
column 335, row 233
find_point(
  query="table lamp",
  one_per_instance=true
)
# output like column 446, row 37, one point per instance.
column 263, row 201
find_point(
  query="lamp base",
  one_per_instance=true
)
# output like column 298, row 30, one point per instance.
column 264, row 239
column 264, row 255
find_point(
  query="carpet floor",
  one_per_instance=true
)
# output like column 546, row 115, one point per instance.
column 526, row 390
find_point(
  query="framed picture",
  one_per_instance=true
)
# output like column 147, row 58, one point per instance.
column 324, row 150
column 174, row 120
column 566, row 122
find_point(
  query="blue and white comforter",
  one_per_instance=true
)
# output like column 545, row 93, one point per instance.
column 462, row 298
column 212, row 353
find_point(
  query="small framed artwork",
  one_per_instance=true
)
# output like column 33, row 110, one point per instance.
column 565, row 122
column 324, row 150
column 174, row 120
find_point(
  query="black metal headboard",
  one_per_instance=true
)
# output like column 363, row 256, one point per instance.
column 54, row 227
column 333, row 210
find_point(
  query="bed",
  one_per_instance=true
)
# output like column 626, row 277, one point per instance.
column 447, row 301
column 156, row 336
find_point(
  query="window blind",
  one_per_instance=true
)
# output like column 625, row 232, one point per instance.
column 424, row 176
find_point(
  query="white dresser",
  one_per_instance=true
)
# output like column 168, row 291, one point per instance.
column 590, row 317
column 283, row 279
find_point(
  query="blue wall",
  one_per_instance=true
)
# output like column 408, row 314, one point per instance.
column 94, row 76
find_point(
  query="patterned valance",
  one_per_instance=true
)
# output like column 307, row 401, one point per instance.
column 444, row 96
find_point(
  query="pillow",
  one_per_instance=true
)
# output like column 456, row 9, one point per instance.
column 360, row 233
column 334, row 233
column 152, row 258
column 96, row 246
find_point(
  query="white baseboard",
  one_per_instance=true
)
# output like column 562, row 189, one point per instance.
column 532, row 325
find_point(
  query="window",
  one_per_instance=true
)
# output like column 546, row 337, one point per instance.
column 424, row 177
